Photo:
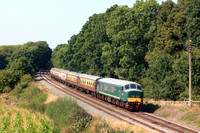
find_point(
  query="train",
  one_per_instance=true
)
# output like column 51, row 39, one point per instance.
column 122, row 93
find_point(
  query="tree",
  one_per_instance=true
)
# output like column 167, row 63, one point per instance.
column 193, row 21
column 7, row 78
column 5, row 54
column 38, row 53
column 22, row 66
column 170, row 28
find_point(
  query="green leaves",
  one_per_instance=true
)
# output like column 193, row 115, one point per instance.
column 37, row 53
column 193, row 21
column 146, row 43
column 20, row 60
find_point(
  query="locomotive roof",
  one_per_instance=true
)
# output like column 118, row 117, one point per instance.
column 89, row 76
column 119, row 82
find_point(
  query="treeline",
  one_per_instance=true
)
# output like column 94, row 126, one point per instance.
column 16, row 61
column 147, row 43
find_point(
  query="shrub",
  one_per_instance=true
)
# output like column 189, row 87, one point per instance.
column 31, row 92
column 34, row 91
column 80, row 118
column 78, row 114
column 6, row 89
column 20, row 88
column 26, row 78
column 61, row 110
column 37, row 103
column 37, row 106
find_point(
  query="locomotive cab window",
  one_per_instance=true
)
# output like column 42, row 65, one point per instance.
column 139, row 87
column 126, row 87
column 133, row 86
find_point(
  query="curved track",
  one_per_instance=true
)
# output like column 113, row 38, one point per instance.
column 149, row 121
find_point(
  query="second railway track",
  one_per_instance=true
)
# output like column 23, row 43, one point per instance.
column 150, row 122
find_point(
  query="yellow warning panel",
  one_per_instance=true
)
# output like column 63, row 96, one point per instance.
column 134, row 100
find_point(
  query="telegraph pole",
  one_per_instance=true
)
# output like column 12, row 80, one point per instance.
column 190, row 75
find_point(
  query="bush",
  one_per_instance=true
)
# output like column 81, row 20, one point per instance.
column 41, row 107
column 6, row 89
column 20, row 88
column 80, row 118
column 37, row 103
column 26, row 78
column 78, row 114
column 31, row 92
column 61, row 110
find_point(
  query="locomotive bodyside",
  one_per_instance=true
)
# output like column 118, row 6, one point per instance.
column 127, row 94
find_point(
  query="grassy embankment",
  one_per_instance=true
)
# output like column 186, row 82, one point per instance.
column 27, row 109
column 183, row 115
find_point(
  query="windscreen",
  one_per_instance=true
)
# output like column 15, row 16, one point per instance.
column 133, row 86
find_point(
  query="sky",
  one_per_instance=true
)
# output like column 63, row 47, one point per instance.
column 53, row 21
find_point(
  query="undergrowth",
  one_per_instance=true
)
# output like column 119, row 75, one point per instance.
column 66, row 112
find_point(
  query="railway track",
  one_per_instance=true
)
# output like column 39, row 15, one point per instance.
column 146, row 120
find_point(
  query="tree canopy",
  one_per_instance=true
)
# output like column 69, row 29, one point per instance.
column 146, row 43
column 16, row 61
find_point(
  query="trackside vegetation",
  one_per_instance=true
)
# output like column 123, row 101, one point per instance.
column 62, row 114
column 68, row 115
column 146, row 43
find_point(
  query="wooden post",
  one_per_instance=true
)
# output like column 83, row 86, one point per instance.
column 190, row 75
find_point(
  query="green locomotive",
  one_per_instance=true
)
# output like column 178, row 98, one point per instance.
column 123, row 93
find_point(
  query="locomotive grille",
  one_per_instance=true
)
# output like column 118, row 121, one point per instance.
column 134, row 96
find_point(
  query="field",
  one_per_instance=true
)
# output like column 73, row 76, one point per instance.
column 19, row 120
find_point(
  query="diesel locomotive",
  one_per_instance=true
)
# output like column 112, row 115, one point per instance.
column 123, row 93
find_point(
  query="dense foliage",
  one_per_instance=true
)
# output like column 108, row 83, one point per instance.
column 16, row 61
column 146, row 43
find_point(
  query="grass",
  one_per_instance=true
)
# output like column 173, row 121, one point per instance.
column 183, row 109
column 100, row 125
column 190, row 117
column 197, row 123
column 30, row 96
column 23, row 121
column 66, row 112
column 165, row 115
